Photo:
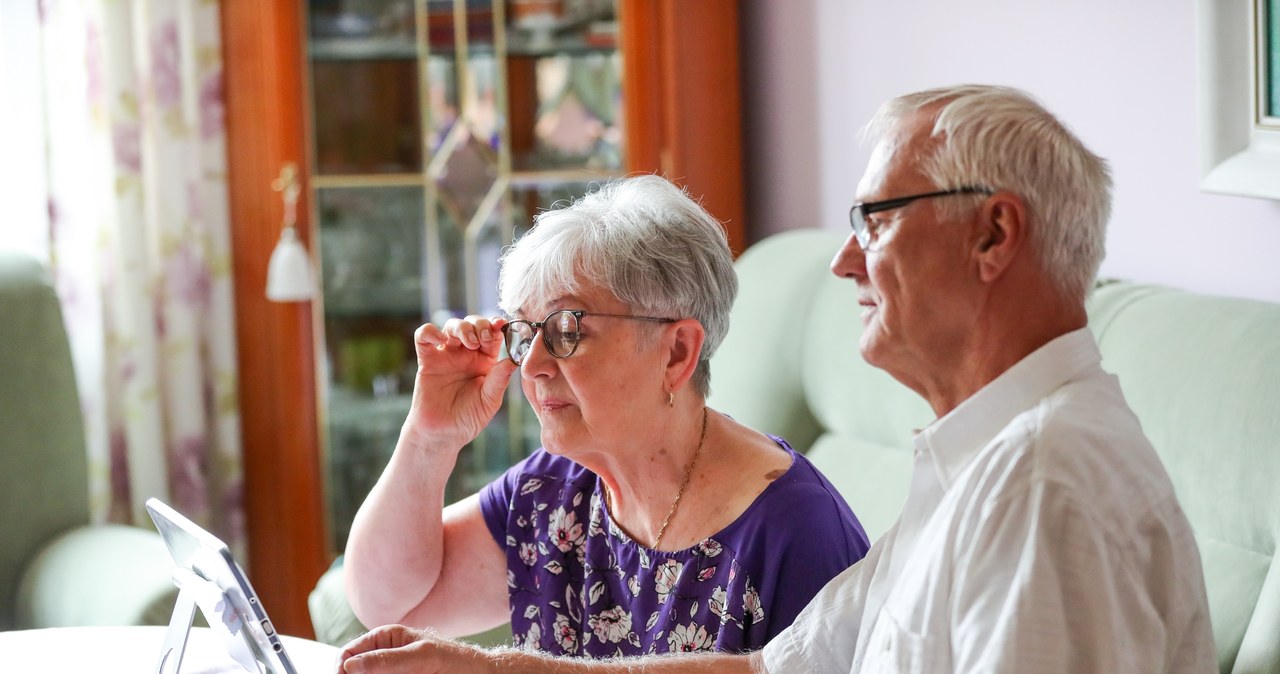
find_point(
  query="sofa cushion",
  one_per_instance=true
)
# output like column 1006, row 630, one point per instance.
column 755, row 374
column 845, row 394
column 872, row 478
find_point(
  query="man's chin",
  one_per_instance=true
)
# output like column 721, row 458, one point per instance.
column 870, row 347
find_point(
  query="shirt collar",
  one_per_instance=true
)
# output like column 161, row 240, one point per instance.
column 955, row 439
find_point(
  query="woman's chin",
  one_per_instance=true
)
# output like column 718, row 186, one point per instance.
column 560, row 444
column 553, row 442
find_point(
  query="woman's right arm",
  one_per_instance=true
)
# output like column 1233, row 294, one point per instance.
column 403, row 542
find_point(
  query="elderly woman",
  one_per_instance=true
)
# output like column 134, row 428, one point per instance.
column 647, row 522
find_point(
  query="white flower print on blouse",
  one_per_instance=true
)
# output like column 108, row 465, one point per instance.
column 565, row 634
column 689, row 638
column 528, row 554
column 533, row 637
column 611, row 625
column 564, row 530
column 710, row 547
column 751, row 605
column 718, row 600
column 665, row 577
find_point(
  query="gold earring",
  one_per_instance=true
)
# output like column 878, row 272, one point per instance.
column 671, row 398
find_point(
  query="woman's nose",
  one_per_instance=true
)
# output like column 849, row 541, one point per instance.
column 850, row 261
column 537, row 360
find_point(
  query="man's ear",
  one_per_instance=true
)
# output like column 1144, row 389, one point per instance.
column 685, row 338
column 1002, row 233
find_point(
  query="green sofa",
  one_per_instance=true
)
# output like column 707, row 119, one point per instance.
column 1202, row 373
column 56, row 569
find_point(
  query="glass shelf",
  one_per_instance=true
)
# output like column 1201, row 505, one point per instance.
column 518, row 179
column 390, row 48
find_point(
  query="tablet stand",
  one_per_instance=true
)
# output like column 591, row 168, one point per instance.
column 214, row 603
column 175, row 638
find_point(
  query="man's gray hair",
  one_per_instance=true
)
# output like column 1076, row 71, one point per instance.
column 1002, row 138
column 641, row 238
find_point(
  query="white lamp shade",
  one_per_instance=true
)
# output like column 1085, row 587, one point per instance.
column 289, row 271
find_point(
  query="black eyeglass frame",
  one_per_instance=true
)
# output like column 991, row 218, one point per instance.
column 860, row 211
column 578, row 315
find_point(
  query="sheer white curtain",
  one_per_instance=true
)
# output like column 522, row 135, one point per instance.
column 139, row 240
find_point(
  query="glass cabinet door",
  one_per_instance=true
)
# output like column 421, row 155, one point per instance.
column 439, row 128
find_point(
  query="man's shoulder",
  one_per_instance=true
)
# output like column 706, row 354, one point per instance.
column 1084, row 441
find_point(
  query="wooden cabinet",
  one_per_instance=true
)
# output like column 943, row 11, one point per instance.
column 294, row 98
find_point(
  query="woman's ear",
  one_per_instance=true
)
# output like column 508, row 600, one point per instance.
column 1002, row 232
column 684, row 341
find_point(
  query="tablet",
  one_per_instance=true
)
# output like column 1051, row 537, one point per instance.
column 208, row 577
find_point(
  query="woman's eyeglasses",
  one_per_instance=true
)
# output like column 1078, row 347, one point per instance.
column 560, row 332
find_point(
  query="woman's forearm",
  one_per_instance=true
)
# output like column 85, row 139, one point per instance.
column 396, row 546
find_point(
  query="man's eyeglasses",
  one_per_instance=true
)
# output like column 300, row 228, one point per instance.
column 860, row 215
column 559, row 332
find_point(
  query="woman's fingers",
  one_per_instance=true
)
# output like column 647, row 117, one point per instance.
column 476, row 332
column 429, row 334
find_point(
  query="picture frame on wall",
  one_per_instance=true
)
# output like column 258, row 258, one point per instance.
column 1268, row 59
column 1239, row 96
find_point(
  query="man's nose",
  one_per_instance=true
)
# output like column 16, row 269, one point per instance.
column 850, row 261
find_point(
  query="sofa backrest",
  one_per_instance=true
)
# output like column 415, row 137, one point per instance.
column 44, row 484
column 790, row 366
column 1201, row 373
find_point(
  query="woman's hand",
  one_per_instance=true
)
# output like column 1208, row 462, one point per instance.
column 460, row 382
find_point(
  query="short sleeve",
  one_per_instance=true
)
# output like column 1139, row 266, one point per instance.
column 495, row 501
column 820, row 539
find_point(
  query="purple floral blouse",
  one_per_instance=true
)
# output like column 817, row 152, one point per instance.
column 580, row 586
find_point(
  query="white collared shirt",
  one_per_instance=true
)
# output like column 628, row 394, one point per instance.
column 1040, row 534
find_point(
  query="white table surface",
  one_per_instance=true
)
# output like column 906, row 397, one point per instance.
column 136, row 650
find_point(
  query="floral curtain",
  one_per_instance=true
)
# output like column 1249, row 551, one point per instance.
column 140, row 247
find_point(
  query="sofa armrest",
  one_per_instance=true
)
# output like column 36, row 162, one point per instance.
column 331, row 616
column 98, row 575
column 336, row 624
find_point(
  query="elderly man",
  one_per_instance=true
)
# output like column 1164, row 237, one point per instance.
column 1041, row 532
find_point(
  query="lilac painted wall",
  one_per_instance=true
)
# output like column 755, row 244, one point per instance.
column 1121, row 74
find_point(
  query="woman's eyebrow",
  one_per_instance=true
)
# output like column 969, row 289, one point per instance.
column 563, row 302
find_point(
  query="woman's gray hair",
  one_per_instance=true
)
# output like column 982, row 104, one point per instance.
column 1002, row 138
column 643, row 239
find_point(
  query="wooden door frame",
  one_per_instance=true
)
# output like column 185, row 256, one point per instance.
column 683, row 102
column 264, row 88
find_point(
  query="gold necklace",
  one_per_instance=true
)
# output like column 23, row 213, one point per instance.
column 688, row 475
